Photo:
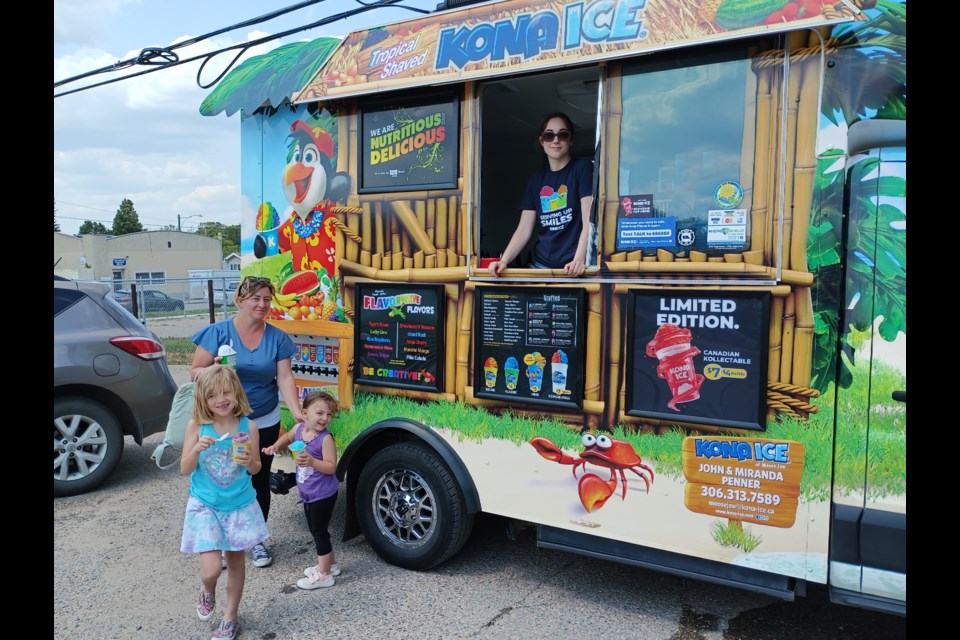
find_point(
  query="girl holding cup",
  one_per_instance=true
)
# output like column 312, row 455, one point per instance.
column 316, row 457
column 222, row 514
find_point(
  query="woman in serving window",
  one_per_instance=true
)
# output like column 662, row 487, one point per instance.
column 560, row 196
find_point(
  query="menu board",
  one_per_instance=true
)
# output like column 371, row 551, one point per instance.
column 399, row 336
column 410, row 144
column 529, row 345
column 699, row 356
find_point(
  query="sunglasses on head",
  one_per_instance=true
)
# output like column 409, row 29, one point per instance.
column 563, row 135
column 251, row 283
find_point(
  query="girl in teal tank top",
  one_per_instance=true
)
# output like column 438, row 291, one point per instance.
column 222, row 514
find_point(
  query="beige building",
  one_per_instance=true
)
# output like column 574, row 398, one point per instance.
column 157, row 259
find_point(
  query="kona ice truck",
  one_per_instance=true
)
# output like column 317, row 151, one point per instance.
column 721, row 395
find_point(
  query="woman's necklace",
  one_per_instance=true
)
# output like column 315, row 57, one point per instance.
column 307, row 230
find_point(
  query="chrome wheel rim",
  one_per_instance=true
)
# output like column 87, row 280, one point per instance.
column 79, row 447
column 404, row 508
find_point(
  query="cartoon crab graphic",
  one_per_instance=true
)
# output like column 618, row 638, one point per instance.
column 603, row 451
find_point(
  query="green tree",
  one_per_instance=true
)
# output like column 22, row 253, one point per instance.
column 89, row 226
column 126, row 221
column 229, row 235
column 56, row 225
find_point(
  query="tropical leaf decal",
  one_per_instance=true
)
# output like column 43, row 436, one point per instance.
column 269, row 79
column 875, row 53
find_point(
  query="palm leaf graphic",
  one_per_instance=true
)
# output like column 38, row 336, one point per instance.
column 269, row 79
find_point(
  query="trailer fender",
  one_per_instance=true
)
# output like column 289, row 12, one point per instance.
column 383, row 434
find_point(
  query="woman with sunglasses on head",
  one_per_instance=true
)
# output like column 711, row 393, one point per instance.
column 263, row 354
column 560, row 196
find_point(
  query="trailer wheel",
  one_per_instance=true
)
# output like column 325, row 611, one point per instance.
column 410, row 507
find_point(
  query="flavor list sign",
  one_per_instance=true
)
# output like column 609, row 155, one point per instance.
column 399, row 336
column 749, row 479
column 409, row 145
column 529, row 346
column 699, row 356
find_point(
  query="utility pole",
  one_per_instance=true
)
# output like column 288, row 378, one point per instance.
column 179, row 221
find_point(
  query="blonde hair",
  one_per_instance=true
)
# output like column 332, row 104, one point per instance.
column 211, row 380
column 322, row 396
column 250, row 285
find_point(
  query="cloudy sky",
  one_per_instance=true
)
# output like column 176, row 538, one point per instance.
column 144, row 138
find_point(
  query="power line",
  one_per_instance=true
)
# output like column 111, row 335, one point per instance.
column 148, row 56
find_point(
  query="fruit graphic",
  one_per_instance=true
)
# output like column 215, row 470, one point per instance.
column 329, row 306
column 300, row 283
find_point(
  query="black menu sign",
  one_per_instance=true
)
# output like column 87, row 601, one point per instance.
column 399, row 336
column 529, row 345
column 699, row 356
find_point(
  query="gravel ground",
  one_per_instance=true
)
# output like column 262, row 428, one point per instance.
column 119, row 574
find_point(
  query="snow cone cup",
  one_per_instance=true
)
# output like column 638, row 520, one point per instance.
column 559, row 377
column 296, row 447
column 511, row 372
column 271, row 241
column 535, row 374
column 490, row 369
column 267, row 223
column 241, row 445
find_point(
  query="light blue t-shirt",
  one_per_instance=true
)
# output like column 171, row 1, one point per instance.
column 257, row 369
column 218, row 481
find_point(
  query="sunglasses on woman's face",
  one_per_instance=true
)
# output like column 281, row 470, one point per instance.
column 547, row 136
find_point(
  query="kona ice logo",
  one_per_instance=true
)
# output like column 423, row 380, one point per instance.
column 742, row 450
column 527, row 35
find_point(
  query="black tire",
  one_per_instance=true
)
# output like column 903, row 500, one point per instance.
column 87, row 444
column 410, row 507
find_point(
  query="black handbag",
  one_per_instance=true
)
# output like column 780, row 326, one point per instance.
column 282, row 481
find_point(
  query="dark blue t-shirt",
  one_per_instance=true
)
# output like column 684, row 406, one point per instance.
column 555, row 196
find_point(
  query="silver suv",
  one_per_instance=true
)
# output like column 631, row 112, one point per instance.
column 110, row 380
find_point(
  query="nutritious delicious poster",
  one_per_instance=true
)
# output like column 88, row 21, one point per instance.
column 399, row 336
column 530, row 345
column 699, row 356
column 407, row 144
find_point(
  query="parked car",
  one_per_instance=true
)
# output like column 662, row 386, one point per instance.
column 223, row 293
column 149, row 300
column 110, row 380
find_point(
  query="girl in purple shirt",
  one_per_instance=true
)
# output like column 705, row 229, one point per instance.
column 316, row 481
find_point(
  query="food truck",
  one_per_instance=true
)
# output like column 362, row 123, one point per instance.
column 720, row 395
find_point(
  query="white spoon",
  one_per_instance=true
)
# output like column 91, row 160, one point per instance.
column 224, row 436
